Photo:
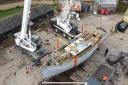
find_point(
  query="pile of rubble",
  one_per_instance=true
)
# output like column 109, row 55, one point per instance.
column 120, row 65
column 121, row 68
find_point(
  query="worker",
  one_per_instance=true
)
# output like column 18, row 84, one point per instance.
column 10, row 50
column 75, row 60
column 58, row 43
column 106, row 52
column 105, row 77
column 28, row 68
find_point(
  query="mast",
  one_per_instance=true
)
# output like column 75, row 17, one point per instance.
column 26, row 12
column 23, row 39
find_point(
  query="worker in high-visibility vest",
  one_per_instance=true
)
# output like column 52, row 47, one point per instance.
column 75, row 60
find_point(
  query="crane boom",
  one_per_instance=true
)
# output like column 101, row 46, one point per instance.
column 66, row 10
column 64, row 18
column 23, row 39
column 63, row 24
column 26, row 12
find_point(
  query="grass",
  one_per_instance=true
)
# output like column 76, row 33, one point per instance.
column 8, row 12
column 55, row 7
column 122, row 8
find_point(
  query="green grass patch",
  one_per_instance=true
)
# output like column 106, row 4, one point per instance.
column 122, row 8
column 55, row 7
column 8, row 12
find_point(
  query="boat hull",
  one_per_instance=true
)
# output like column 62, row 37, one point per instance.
column 51, row 71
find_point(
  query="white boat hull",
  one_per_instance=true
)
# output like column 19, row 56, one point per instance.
column 51, row 71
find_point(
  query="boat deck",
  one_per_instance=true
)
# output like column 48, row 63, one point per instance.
column 67, row 54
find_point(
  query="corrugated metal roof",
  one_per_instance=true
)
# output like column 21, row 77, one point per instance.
column 107, row 1
column 88, row 0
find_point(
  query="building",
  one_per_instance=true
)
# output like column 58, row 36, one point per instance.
column 87, row 6
column 76, row 6
column 125, row 1
column 109, row 4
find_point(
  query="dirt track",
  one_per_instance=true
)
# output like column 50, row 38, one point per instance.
column 34, row 2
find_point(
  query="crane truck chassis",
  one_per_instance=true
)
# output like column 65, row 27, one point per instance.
column 62, row 23
column 73, row 34
column 39, row 53
column 30, row 44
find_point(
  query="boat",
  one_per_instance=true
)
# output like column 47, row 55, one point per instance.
column 72, row 54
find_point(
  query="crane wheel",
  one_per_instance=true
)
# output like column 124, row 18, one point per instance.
column 32, row 59
column 64, row 35
column 56, row 30
column 69, row 38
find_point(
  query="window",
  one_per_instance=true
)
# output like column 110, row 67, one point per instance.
column 106, row 1
column 125, row 1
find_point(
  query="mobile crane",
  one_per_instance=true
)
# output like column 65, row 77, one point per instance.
column 31, row 45
column 62, row 24
column 23, row 39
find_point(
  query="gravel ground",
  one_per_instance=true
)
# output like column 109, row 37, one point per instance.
column 12, row 72
column 116, row 42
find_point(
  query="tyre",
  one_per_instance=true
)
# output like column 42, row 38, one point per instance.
column 64, row 35
column 32, row 59
column 38, row 64
column 56, row 30
column 69, row 38
column 23, row 52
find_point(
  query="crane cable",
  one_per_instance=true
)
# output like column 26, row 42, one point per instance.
column 101, row 24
